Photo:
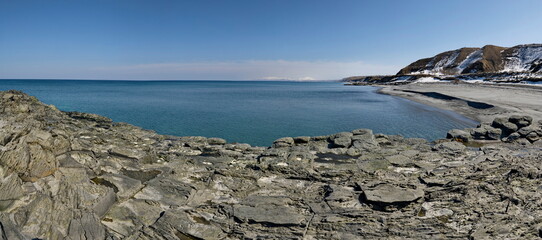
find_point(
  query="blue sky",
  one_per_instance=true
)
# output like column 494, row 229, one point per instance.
column 248, row 39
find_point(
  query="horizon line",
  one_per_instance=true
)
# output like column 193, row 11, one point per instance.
column 172, row 80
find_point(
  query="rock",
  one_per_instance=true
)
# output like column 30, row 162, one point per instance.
column 362, row 131
column 429, row 210
column 283, row 142
column 524, row 131
column 124, row 186
column 399, row 160
column 169, row 192
column 513, row 137
column 8, row 230
column 533, row 137
column 74, row 175
column 302, row 139
column 174, row 224
column 452, row 148
column 372, row 166
column 343, row 142
column 88, row 226
column 494, row 133
column 216, row 141
column 506, row 126
column 342, row 135
column 521, row 121
column 391, row 194
column 364, row 140
column 458, row 135
column 10, row 190
column 127, row 153
column 480, row 133
column 268, row 214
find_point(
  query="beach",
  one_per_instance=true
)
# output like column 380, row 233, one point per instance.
column 480, row 102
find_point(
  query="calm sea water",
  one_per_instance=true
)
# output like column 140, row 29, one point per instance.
column 249, row 112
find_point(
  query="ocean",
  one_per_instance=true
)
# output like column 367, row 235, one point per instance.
column 254, row 112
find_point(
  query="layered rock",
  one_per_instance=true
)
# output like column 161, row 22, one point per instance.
column 82, row 176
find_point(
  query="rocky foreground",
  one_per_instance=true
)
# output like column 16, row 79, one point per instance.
column 67, row 175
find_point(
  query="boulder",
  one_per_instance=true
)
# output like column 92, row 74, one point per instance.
column 342, row 142
column 513, row 137
column 283, row 142
column 216, row 141
column 480, row 133
column 532, row 137
column 458, row 135
column 494, row 133
column 524, row 131
column 364, row 140
column 362, row 131
column 521, row 121
column 342, row 135
column 302, row 139
column 506, row 126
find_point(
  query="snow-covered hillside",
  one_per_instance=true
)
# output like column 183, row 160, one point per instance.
column 524, row 58
column 488, row 59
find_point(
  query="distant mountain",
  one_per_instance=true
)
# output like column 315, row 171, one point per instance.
column 488, row 59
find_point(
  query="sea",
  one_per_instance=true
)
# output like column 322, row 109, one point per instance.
column 254, row 112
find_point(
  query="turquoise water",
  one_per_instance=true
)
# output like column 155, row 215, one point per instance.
column 249, row 112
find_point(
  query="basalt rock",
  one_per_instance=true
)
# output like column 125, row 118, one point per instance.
column 82, row 176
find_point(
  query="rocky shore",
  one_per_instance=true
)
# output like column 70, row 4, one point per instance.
column 68, row 175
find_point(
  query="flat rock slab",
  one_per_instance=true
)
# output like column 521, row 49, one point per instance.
column 390, row 194
column 268, row 214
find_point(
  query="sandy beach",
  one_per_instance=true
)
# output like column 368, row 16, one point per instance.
column 480, row 102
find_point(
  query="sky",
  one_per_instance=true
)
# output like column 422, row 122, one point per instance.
column 247, row 39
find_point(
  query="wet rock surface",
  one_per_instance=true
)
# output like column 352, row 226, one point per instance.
column 82, row 176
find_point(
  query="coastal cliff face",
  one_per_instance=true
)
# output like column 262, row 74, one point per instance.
column 488, row 59
column 68, row 175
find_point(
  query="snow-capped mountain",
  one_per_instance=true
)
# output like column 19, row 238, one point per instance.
column 488, row 59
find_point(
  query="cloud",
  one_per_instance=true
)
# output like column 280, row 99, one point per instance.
column 226, row 70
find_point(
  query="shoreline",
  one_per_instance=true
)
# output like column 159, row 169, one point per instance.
column 489, row 101
column 89, row 174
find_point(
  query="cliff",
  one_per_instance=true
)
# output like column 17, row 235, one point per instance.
column 68, row 175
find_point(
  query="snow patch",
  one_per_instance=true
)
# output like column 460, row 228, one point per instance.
column 446, row 61
column 471, row 58
column 428, row 80
column 523, row 59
